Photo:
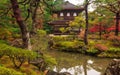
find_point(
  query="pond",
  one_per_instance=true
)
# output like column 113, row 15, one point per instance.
column 79, row 64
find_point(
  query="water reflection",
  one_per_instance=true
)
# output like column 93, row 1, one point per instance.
column 78, row 64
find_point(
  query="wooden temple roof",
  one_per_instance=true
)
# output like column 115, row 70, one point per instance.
column 67, row 5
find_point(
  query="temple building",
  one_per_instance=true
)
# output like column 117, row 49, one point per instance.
column 64, row 16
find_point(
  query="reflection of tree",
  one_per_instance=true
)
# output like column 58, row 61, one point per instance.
column 99, row 65
column 85, row 67
column 78, row 63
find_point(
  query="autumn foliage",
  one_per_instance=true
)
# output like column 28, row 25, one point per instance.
column 97, row 28
column 101, row 47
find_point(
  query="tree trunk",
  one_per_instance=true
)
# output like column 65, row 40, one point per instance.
column 100, row 31
column 23, row 27
column 117, row 24
column 86, row 27
column 34, row 16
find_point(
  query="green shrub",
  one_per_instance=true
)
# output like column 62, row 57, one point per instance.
column 112, row 52
column 50, row 61
column 6, row 71
column 92, row 51
column 110, row 55
column 17, row 55
column 59, row 38
column 41, row 32
column 5, row 34
column 91, row 43
column 28, row 71
column 40, row 41
column 3, row 42
column 70, row 45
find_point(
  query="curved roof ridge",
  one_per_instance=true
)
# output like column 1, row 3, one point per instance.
column 68, row 5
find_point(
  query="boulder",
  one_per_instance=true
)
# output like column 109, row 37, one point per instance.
column 113, row 68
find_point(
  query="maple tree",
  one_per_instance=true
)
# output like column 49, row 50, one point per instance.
column 114, row 7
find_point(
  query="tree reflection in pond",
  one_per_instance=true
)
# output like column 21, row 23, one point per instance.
column 79, row 64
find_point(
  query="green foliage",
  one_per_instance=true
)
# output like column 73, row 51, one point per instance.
column 78, row 22
column 6, row 71
column 17, row 54
column 91, row 44
column 3, row 5
column 67, row 44
column 63, row 30
column 7, row 22
column 50, row 61
column 47, row 27
column 64, row 38
column 92, row 51
column 51, row 5
column 5, row 34
column 28, row 71
column 110, row 55
column 41, row 32
column 70, row 45
column 59, row 38
column 40, row 41
column 104, row 17
column 54, row 4
column 3, row 42
column 112, row 52
column 8, row 29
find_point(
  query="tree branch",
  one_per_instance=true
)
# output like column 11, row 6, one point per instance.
column 5, row 12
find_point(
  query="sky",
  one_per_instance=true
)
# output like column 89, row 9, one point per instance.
column 76, row 2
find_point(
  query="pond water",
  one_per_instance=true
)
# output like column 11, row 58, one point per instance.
column 79, row 64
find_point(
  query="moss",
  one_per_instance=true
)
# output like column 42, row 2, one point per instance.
column 16, row 54
column 93, row 52
column 6, row 71
column 72, row 46
column 28, row 71
column 112, row 52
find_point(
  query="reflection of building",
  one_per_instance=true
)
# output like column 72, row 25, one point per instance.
column 67, row 13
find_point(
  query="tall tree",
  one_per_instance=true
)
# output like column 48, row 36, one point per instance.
column 113, row 6
column 87, row 24
column 34, row 5
column 102, row 22
column 23, row 27
column 30, row 7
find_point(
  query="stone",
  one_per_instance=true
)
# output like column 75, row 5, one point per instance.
column 113, row 68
